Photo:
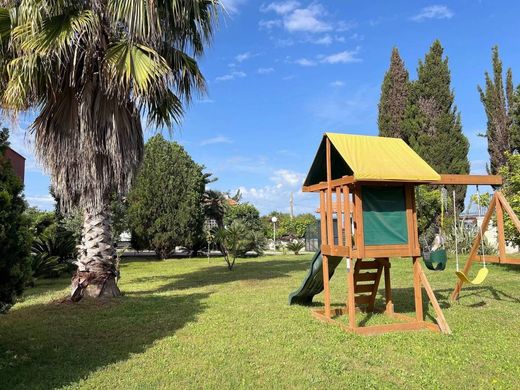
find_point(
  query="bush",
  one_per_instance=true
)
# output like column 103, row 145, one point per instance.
column 53, row 253
column 236, row 240
column 15, row 237
column 296, row 246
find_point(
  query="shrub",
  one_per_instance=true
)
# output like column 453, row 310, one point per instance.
column 296, row 246
column 235, row 241
column 53, row 253
column 15, row 237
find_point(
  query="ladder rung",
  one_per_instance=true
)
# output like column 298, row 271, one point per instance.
column 366, row 277
column 363, row 299
column 364, row 288
column 369, row 264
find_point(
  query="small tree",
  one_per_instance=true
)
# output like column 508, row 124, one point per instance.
column 165, row 204
column 15, row 238
column 233, row 240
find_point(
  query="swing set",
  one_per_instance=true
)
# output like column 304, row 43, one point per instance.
column 366, row 187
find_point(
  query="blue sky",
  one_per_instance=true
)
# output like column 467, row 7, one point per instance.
column 282, row 73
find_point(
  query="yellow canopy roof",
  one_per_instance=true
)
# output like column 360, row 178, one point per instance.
column 370, row 158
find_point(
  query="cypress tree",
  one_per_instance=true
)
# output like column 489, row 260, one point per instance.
column 433, row 123
column 394, row 98
column 502, row 115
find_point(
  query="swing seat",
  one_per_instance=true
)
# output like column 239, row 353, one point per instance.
column 436, row 261
column 481, row 276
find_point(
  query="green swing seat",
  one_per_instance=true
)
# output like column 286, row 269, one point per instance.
column 436, row 261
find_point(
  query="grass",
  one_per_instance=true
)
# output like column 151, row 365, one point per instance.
column 190, row 324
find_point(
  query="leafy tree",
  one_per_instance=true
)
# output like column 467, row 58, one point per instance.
column 248, row 216
column 165, row 204
column 394, row 98
column 511, row 189
column 293, row 228
column 502, row 111
column 245, row 213
column 92, row 70
column 433, row 122
column 15, row 238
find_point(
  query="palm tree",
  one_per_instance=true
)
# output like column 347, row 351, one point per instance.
column 91, row 69
column 214, row 204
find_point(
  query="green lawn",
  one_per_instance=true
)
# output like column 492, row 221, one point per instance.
column 190, row 324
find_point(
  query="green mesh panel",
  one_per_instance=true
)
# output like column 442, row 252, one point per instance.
column 384, row 215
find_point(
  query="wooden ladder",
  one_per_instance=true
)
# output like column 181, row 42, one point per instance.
column 367, row 275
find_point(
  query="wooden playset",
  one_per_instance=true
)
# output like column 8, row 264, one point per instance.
column 368, row 215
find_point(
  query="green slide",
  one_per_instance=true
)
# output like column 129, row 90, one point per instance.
column 313, row 282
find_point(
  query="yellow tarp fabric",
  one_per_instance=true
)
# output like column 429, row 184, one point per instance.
column 381, row 158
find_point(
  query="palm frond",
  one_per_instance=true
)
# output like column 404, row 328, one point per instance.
column 134, row 69
column 139, row 17
column 60, row 34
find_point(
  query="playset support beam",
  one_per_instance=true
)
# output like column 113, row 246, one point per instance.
column 497, row 206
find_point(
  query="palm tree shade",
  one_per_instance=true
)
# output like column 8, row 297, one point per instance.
column 91, row 70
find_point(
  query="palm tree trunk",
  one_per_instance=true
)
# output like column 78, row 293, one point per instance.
column 96, row 274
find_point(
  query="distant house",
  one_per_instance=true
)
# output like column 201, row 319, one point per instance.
column 17, row 161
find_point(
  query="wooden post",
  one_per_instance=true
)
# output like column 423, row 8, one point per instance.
column 323, row 222
column 388, row 289
column 500, row 231
column 505, row 204
column 475, row 245
column 346, row 215
column 326, row 287
column 351, row 300
column 339, row 216
column 441, row 320
column 417, row 289
column 330, row 217
column 358, row 205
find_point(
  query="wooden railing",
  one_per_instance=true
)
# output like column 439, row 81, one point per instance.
column 336, row 200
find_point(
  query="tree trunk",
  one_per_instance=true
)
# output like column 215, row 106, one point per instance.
column 96, row 274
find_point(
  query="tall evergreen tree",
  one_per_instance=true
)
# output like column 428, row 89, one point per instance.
column 15, row 239
column 394, row 98
column 165, row 203
column 501, row 111
column 433, row 122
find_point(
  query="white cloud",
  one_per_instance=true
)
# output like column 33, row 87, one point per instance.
column 337, row 83
column 231, row 76
column 245, row 56
column 433, row 12
column 305, row 62
column 307, row 20
column 287, row 177
column 282, row 7
column 342, row 57
column 45, row 202
column 276, row 196
column 219, row 139
column 324, row 40
column 264, row 70
column 232, row 6
column 269, row 24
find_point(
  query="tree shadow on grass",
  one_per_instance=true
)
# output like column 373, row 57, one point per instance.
column 52, row 345
column 215, row 275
